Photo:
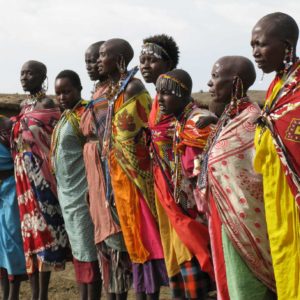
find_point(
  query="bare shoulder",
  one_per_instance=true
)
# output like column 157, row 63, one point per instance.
column 43, row 103
column 133, row 88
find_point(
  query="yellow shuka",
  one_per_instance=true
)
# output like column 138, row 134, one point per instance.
column 282, row 213
column 131, row 174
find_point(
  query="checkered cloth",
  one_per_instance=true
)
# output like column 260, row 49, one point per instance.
column 191, row 282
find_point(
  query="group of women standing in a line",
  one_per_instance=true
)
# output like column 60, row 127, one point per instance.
column 157, row 193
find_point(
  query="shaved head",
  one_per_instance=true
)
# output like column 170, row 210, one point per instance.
column 91, row 57
column 281, row 25
column 238, row 66
column 230, row 76
column 120, row 47
column 94, row 48
column 36, row 66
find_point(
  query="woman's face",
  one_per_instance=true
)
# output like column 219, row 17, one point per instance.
column 31, row 78
column 91, row 57
column 66, row 94
column 268, row 49
column 107, row 61
column 220, row 87
column 152, row 67
column 170, row 104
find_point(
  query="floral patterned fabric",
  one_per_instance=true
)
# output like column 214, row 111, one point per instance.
column 130, row 144
column 42, row 225
column 132, row 181
column 237, row 192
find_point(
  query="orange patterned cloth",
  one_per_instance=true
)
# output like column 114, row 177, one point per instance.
column 132, row 181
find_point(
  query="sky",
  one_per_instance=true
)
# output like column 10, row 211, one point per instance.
column 57, row 32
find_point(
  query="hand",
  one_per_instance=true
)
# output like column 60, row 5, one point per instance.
column 205, row 121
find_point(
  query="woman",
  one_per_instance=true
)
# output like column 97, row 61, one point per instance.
column 12, row 260
column 233, row 190
column 176, row 166
column 159, row 55
column 91, row 57
column 274, row 41
column 113, row 258
column 125, row 148
column 45, row 240
column 68, row 166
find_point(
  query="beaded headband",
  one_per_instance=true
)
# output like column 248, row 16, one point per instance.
column 172, row 84
column 155, row 50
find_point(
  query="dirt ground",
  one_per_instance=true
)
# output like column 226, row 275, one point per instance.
column 63, row 287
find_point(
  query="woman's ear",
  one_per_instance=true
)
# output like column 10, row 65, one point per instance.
column 121, row 64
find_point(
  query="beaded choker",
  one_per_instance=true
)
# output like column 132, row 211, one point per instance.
column 172, row 84
column 38, row 96
column 32, row 99
column 98, row 85
column 155, row 50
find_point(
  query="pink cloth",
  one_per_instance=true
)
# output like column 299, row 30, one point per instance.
column 149, row 232
column 237, row 192
column 100, row 210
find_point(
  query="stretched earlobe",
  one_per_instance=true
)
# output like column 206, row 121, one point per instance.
column 45, row 84
column 121, row 65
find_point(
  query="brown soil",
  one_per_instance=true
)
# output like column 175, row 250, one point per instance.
column 63, row 287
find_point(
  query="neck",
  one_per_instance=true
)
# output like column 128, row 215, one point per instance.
column 115, row 77
column 219, row 108
column 180, row 113
column 36, row 91
column 75, row 103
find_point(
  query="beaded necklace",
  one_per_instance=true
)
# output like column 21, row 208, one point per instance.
column 98, row 85
column 231, row 110
column 113, row 88
column 31, row 100
column 65, row 117
column 280, row 89
column 177, row 173
column 112, row 95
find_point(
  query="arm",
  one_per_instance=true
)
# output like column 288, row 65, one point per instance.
column 44, row 103
column 133, row 88
column 205, row 121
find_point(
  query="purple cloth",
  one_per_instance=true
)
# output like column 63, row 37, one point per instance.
column 150, row 276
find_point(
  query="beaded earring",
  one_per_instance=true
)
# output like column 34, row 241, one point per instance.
column 237, row 93
column 288, row 59
column 45, row 84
